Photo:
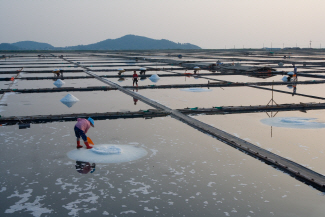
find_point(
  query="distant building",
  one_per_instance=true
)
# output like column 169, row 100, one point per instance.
column 271, row 49
column 291, row 48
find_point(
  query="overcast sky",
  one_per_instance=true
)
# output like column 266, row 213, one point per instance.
column 206, row 23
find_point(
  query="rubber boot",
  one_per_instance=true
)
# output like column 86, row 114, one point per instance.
column 88, row 146
column 78, row 144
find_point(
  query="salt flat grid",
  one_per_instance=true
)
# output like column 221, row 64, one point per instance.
column 178, row 99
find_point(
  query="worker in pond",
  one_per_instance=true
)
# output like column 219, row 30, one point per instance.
column 295, row 76
column 81, row 128
column 135, row 78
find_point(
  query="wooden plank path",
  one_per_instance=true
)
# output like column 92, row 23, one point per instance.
column 95, row 70
column 106, row 88
column 151, row 113
column 73, row 117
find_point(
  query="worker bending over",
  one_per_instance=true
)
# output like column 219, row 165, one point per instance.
column 81, row 128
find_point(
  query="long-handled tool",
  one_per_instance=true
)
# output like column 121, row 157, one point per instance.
column 90, row 141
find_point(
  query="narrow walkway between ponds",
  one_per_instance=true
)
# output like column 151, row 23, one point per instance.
column 296, row 170
column 152, row 113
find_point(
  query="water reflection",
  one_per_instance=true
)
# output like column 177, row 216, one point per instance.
column 69, row 104
column 121, row 79
column 135, row 100
column 85, row 167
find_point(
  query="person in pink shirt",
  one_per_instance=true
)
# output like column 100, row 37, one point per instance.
column 81, row 128
column 135, row 78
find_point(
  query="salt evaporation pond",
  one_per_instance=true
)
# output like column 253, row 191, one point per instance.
column 108, row 154
column 294, row 122
column 184, row 173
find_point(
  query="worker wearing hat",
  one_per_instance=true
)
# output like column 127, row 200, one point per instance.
column 81, row 128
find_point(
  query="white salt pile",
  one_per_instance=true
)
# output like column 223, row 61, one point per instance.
column 294, row 122
column 285, row 78
column 108, row 154
column 196, row 90
column 69, row 100
column 59, row 83
column 154, row 78
column 196, row 68
column 106, row 150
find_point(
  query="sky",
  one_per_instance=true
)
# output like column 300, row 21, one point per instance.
column 210, row 24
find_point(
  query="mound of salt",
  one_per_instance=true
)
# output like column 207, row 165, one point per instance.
column 154, row 78
column 285, row 78
column 123, row 153
column 106, row 150
column 69, row 98
column 59, row 83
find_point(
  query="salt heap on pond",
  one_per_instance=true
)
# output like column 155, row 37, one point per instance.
column 59, row 83
column 69, row 100
column 154, row 78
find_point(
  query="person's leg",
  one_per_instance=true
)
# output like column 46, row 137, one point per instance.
column 76, row 131
column 84, row 137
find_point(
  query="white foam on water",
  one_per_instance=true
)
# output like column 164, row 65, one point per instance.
column 196, row 90
column 108, row 153
column 25, row 205
column 294, row 122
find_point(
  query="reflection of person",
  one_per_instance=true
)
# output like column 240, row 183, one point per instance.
column 81, row 128
column 295, row 76
column 85, row 167
column 294, row 89
column 135, row 100
column 135, row 78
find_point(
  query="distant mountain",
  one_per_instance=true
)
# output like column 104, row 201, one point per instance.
column 32, row 45
column 7, row 46
column 134, row 42
column 127, row 42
